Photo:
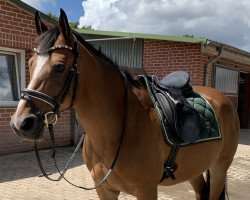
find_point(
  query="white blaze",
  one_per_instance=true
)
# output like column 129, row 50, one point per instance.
column 41, row 60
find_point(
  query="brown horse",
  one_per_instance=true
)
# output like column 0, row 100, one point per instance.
column 99, row 103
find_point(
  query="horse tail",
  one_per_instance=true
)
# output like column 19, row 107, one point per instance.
column 223, row 194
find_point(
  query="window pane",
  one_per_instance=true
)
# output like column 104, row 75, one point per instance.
column 226, row 80
column 8, row 78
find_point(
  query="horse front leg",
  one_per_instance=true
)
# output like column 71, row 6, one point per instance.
column 146, row 193
column 200, row 187
column 105, row 193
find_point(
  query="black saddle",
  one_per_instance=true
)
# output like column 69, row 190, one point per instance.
column 178, row 80
column 179, row 120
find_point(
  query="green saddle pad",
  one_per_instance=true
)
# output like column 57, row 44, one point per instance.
column 210, row 123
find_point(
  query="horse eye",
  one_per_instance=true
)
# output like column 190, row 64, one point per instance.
column 60, row 68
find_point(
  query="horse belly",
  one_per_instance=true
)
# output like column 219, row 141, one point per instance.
column 193, row 160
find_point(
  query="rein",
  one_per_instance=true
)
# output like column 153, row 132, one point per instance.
column 56, row 102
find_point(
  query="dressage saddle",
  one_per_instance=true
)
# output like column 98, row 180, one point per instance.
column 179, row 119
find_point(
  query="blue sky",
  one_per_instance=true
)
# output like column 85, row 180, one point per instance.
column 73, row 8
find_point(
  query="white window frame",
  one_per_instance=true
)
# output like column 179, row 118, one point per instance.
column 20, row 64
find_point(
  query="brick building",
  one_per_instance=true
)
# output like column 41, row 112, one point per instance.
column 209, row 63
column 17, row 39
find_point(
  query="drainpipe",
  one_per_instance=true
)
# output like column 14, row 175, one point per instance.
column 212, row 62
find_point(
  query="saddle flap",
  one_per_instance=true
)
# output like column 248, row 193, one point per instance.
column 168, row 111
column 190, row 125
column 184, row 124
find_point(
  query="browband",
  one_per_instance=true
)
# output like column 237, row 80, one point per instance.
column 53, row 48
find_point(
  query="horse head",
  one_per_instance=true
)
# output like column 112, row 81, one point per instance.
column 53, row 76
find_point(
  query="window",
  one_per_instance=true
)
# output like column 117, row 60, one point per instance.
column 226, row 80
column 12, row 78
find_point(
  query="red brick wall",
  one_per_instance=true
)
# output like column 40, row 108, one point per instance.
column 163, row 57
column 17, row 31
column 11, row 143
column 17, row 28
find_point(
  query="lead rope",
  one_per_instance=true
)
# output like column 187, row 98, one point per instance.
column 53, row 156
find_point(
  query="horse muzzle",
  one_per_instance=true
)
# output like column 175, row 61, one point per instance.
column 30, row 127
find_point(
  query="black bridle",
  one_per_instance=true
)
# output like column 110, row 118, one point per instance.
column 57, row 101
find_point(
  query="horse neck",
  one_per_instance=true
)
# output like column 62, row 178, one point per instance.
column 100, row 101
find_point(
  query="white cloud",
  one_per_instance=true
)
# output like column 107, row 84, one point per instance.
column 38, row 4
column 226, row 21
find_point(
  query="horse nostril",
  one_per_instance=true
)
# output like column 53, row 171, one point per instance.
column 28, row 124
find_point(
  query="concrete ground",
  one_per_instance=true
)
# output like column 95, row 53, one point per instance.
column 19, row 178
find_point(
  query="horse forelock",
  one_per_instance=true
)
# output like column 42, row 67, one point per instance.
column 47, row 39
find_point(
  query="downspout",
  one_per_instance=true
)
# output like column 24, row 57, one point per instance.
column 212, row 62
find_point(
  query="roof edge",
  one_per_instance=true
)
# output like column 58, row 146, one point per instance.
column 32, row 10
column 143, row 36
column 229, row 48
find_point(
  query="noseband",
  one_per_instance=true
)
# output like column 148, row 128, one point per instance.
column 54, row 102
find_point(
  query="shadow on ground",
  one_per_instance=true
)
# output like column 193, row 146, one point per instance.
column 18, row 166
column 244, row 136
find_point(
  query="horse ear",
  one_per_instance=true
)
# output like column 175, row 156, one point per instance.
column 63, row 24
column 40, row 26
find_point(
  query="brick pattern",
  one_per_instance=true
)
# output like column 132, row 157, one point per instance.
column 163, row 57
column 11, row 143
column 17, row 31
column 17, row 28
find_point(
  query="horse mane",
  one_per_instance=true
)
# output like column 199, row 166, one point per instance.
column 48, row 38
column 95, row 51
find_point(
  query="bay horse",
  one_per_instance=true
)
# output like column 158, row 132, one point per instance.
column 110, row 108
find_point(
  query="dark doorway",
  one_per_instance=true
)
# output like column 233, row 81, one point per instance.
column 244, row 100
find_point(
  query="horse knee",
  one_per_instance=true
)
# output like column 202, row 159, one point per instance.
column 146, row 193
column 105, row 193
